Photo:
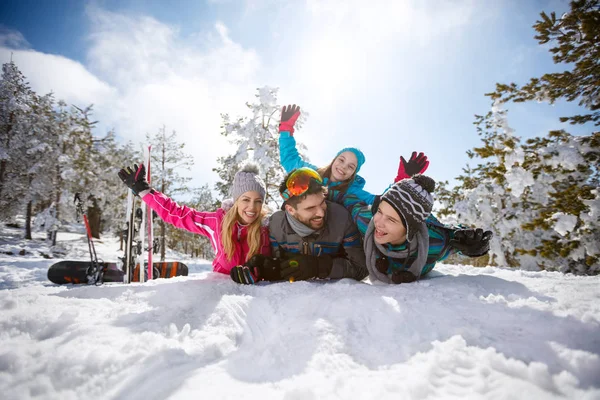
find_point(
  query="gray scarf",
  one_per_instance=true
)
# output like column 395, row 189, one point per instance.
column 420, row 242
column 298, row 226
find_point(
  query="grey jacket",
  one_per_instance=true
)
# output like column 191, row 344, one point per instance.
column 338, row 238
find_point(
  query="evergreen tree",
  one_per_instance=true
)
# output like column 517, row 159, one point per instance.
column 256, row 139
column 575, row 38
column 88, row 165
column 48, row 153
column 83, row 171
column 39, row 161
column 541, row 198
column 108, row 156
column 65, row 150
column 168, row 159
column 16, row 103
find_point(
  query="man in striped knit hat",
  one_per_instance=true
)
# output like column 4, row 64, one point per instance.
column 402, row 240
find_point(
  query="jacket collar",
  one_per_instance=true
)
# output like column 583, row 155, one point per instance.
column 287, row 228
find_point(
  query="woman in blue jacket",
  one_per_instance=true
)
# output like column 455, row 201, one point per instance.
column 341, row 173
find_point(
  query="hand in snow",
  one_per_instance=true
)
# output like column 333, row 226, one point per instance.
column 257, row 268
column 472, row 242
column 300, row 267
column 403, row 277
column 244, row 275
column 289, row 115
column 416, row 165
column 135, row 178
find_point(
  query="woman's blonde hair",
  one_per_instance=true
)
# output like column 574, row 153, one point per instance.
column 325, row 172
column 254, row 234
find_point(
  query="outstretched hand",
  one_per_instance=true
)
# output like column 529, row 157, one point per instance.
column 135, row 178
column 472, row 242
column 416, row 165
column 244, row 275
column 256, row 269
column 301, row 267
column 289, row 115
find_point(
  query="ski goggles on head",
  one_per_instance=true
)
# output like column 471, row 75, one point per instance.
column 299, row 181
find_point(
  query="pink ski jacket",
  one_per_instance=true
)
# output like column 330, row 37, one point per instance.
column 207, row 224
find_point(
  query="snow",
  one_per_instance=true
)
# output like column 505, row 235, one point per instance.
column 564, row 223
column 464, row 332
column 518, row 179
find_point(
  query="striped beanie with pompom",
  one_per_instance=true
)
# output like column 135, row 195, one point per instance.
column 412, row 200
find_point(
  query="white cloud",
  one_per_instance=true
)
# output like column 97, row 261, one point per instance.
column 68, row 79
column 12, row 39
column 380, row 20
column 165, row 78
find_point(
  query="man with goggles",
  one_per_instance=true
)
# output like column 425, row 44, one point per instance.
column 310, row 237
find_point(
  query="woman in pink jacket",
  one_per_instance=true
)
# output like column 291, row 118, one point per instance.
column 236, row 234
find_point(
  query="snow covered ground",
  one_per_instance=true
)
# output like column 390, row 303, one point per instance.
column 462, row 333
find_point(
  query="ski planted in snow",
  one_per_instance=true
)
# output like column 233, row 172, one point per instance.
column 149, row 213
column 129, row 260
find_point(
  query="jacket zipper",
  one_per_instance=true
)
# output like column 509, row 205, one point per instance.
column 305, row 247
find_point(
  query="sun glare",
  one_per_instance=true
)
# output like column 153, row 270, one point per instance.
column 331, row 65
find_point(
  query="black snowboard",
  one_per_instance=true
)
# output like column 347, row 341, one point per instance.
column 76, row 271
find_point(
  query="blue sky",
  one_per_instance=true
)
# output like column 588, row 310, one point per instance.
column 388, row 77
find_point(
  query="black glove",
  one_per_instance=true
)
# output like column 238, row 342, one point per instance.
column 472, row 242
column 257, row 268
column 242, row 274
column 382, row 265
column 403, row 277
column 300, row 267
column 135, row 178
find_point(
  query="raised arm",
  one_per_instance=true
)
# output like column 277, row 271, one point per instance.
column 204, row 223
column 357, row 189
column 184, row 217
column 288, row 152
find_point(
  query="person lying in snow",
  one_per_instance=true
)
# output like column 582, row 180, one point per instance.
column 402, row 239
column 310, row 237
column 236, row 232
column 342, row 172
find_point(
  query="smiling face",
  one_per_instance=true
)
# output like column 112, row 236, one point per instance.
column 249, row 206
column 343, row 166
column 389, row 227
column 310, row 211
